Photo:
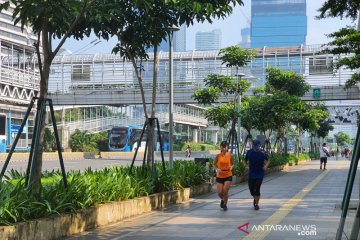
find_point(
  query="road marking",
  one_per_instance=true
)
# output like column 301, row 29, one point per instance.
column 287, row 207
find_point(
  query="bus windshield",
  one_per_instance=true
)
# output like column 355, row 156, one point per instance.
column 118, row 138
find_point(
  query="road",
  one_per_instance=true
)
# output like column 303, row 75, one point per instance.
column 95, row 164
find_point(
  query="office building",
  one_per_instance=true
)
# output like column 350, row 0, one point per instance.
column 278, row 23
column 179, row 43
column 180, row 39
column 205, row 41
column 18, row 82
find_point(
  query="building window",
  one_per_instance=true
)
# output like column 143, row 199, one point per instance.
column 320, row 65
column 80, row 72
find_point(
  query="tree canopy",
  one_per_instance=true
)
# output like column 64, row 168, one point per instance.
column 342, row 138
column 340, row 8
column 346, row 40
column 287, row 81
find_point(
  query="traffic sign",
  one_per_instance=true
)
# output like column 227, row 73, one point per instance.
column 316, row 93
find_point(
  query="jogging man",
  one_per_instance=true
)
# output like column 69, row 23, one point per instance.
column 256, row 162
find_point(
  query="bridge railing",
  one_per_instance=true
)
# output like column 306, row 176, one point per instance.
column 16, row 77
column 100, row 124
column 109, row 72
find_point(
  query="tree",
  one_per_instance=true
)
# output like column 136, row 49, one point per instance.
column 348, row 48
column 342, row 139
column 287, row 88
column 136, row 23
column 144, row 24
column 289, row 82
column 324, row 129
column 340, row 8
column 48, row 20
column 346, row 40
column 307, row 117
column 225, row 112
column 221, row 85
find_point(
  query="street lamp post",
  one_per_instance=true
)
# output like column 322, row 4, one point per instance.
column 171, row 95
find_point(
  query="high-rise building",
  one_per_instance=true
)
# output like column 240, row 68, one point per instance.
column 179, row 43
column 205, row 41
column 278, row 23
column 180, row 39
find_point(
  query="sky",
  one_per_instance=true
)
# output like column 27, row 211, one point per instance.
column 230, row 29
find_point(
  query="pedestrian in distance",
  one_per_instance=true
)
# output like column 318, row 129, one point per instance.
column 188, row 151
column 256, row 162
column 324, row 154
column 223, row 165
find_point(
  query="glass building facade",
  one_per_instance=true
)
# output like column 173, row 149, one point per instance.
column 206, row 41
column 179, row 42
column 278, row 23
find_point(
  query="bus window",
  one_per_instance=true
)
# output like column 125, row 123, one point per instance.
column 118, row 138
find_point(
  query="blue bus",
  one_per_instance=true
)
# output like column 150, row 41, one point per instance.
column 125, row 139
column 2, row 133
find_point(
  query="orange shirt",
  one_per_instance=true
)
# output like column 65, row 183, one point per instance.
column 224, row 164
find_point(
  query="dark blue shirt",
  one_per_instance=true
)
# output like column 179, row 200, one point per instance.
column 256, row 162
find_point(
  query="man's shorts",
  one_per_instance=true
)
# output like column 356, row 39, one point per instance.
column 223, row 180
column 323, row 160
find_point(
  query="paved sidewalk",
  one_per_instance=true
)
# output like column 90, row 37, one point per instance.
column 297, row 204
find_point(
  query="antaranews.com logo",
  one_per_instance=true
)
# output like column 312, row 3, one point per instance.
column 300, row 229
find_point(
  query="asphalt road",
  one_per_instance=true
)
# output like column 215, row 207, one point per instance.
column 95, row 164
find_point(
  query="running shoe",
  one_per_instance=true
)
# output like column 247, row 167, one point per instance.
column 256, row 207
column 225, row 207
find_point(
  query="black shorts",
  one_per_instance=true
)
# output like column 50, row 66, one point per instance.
column 223, row 180
column 254, row 186
column 323, row 160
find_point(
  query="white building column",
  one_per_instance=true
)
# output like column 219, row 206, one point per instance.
column 214, row 136
column 195, row 135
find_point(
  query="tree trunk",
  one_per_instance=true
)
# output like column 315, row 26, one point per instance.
column 44, row 81
column 300, row 141
column 46, row 37
column 285, row 142
column 297, row 145
column 277, row 146
column 151, row 133
column 268, row 142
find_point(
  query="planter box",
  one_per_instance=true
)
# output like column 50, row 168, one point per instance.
column 56, row 227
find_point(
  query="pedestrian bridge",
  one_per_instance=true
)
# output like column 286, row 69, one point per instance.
column 108, row 79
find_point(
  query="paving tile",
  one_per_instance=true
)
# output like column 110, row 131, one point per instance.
column 202, row 218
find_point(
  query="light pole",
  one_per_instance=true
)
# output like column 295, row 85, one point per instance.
column 239, row 76
column 171, row 95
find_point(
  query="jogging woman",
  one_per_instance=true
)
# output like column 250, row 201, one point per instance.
column 223, row 165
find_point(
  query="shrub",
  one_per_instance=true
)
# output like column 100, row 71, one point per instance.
column 198, row 146
column 88, row 188
column 239, row 168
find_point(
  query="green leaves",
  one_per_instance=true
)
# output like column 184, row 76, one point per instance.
column 90, row 188
column 340, row 8
column 235, row 56
column 342, row 138
column 207, row 95
column 347, row 40
column 220, row 115
column 290, row 82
